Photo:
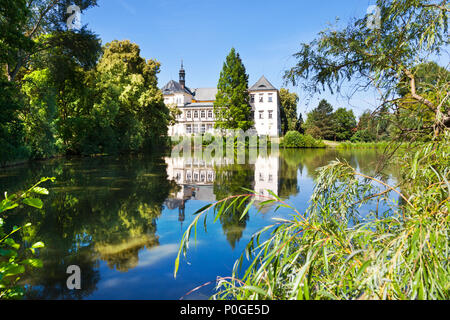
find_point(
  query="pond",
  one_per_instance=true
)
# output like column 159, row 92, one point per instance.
column 121, row 219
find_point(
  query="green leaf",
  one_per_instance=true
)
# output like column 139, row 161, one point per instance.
column 38, row 245
column 13, row 269
column 39, row 190
column 256, row 290
column 8, row 253
column 7, row 205
column 36, row 263
column 33, row 202
column 363, row 267
column 10, row 242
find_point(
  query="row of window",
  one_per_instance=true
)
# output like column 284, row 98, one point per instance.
column 261, row 177
column 178, row 101
column 202, row 114
column 197, row 176
column 195, row 128
column 261, row 98
column 269, row 116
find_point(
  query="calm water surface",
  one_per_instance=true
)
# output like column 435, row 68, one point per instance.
column 121, row 219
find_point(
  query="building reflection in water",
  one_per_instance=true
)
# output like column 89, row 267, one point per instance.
column 196, row 178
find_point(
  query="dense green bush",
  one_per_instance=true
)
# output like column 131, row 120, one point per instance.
column 294, row 139
column 363, row 136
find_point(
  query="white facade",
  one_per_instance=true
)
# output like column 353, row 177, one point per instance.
column 266, row 106
column 194, row 175
column 266, row 175
column 197, row 107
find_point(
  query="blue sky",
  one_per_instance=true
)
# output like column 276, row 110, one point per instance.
column 202, row 32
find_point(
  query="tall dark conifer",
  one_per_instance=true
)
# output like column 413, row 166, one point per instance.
column 232, row 107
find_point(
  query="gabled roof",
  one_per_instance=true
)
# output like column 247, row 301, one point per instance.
column 205, row 94
column 174, row 87
column 262, row 85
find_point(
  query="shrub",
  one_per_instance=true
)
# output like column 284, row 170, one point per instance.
column 294, row 139
column 362, row 136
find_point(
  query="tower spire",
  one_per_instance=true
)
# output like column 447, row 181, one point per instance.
column 182, row 75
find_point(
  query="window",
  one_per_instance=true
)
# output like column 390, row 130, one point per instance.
column 195, row 128
column 270, row 178
column 203, row 128
column 188, row 129
column 270, row 97
column 252, row 98
column 195, row 114
column 188, row 114
column 203, row 114
column 261, row 178
column 209, row 127
column 210, row 114
column 270, row 114
column 261, row 98
column 261, row 114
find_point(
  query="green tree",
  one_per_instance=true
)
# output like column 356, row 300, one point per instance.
column 289, row 120
column 343, row 124
column 13, row 17
column 373, row 126
column 12, row 133
column 38, row 54
column 128, row 107
column 319, row 122
column 410, row 31
column 48, row 17
column 39, row 113
column 232, row 108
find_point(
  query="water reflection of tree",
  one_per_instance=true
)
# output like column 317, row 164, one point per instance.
column 289, row 165
column 229, row 181
column 99, row 209
column 363, row 160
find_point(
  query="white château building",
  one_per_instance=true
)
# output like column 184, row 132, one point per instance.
column 197, row 107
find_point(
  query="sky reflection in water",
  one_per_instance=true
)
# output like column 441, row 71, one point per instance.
column 121, row 219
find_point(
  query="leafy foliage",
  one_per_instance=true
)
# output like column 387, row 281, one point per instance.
column 411, row 32
column 334, row 251
column 13, row 259
column 325, row 123
column 294, row 139
column 288, row 112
